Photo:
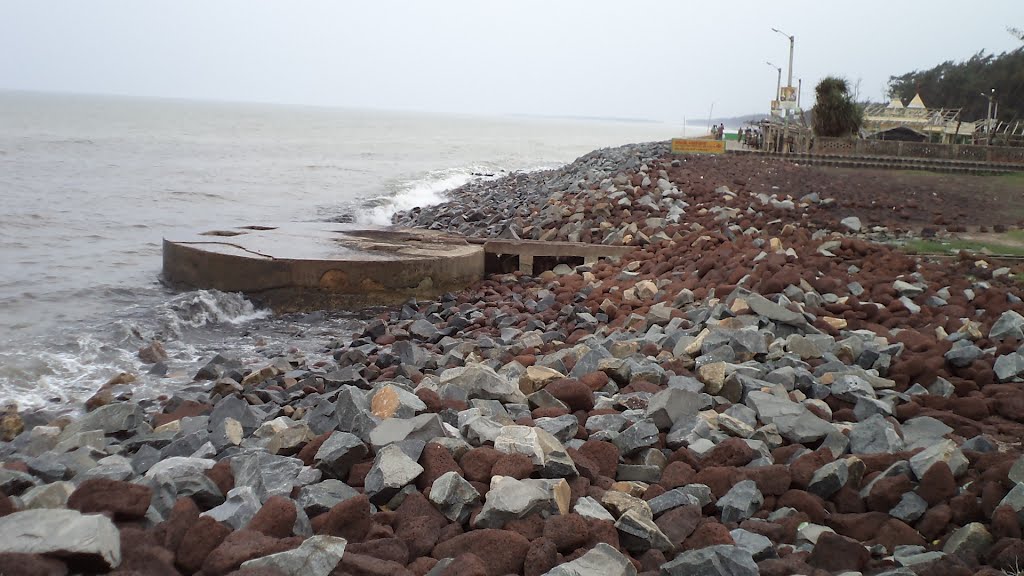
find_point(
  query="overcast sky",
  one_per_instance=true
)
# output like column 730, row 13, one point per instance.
column 657, row 59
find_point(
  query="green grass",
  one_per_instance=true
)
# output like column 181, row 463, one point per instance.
column 953, row 246
column 1012, row 179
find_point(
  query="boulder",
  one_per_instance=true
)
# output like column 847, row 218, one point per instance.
column 454, row 496
column 317, row 556
column 91, row 539
column 718, row 560
column 740, row 502
column 544, row 450
column 510, row 499
column 601, row 560
column 392, row 470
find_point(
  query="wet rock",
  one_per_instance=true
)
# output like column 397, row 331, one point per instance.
column 91, row 539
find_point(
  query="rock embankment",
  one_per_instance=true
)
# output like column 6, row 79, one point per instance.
column 754, row 390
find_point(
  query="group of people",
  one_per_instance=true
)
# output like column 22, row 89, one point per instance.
column 718, row 132
column 752, row 138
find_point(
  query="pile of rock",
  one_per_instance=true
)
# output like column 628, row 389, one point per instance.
column 746, row 393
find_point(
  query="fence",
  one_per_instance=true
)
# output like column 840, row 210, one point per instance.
column 963, row 152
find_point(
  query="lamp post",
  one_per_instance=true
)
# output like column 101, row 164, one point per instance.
column 778, row 81
column 988, row 115
column 789, row 83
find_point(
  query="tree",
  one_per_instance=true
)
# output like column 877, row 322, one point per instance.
column 961, row 84
column 835, row 113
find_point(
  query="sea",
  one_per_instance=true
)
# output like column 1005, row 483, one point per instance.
column 89, row 186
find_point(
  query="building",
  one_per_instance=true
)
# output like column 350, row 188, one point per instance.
column 915, row 122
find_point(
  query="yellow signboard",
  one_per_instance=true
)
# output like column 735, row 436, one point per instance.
column 690, row 146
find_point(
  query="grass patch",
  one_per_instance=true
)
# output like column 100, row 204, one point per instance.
column 1013, row 179
column 954, row 246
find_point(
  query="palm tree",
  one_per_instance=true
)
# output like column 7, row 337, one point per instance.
column 835, row 113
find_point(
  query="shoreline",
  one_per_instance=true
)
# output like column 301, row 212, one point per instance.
column 757, row 385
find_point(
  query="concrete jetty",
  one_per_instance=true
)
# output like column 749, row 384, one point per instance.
column 323, row 265
column 301, row 266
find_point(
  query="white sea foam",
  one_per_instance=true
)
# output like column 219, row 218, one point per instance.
column 425, row 191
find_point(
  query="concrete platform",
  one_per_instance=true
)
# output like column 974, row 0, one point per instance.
column 305, row 266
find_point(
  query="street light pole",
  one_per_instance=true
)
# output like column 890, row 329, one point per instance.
column 778, row 81
column 789, row 83
column 988, row 115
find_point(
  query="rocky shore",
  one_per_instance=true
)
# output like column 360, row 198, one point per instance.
column 756, row 389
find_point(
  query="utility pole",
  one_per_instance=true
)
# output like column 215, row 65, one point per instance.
column 789, row 83
column 799, row 92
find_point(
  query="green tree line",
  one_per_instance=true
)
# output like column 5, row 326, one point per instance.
column 961, row 84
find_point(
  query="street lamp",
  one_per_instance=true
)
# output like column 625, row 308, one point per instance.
column 789, row 83
column 988, row 116
column 778, row 81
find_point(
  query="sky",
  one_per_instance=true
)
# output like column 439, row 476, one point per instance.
column 667, row 60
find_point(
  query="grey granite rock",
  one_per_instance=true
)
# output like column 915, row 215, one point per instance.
column 601, row 560
column 316, row 556
column 339, row 452
column 638, row 532
column 392, row 470
column 740, row 502
column 719, row 560
column 267, row 474
column 318, row 498
column 241, row 505
column 876, row 435
column 454, row 496
column 89, row 537
column 544, row 450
